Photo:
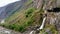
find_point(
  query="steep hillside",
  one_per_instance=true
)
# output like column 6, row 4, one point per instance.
column 23, row 19
column 10, row 9
column 32, row 16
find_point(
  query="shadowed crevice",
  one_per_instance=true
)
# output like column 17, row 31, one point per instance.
column 54, row 10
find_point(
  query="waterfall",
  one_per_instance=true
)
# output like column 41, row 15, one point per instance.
column 41, row 27
column 31, row 32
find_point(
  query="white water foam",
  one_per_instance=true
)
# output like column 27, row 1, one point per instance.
column 41, row 27
column 31, row 32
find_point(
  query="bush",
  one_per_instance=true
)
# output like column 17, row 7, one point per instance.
column 17, row 27
column 29, row 12
column 28, row 23
column 12, row 26
column 21, row 28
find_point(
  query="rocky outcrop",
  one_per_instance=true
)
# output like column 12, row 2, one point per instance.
column 47, row 4
column 53, row 17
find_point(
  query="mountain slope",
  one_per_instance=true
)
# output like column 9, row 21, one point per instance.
column 22, row 20
column 30, row 18
column 10, row 9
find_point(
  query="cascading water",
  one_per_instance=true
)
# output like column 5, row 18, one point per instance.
column 41, row 27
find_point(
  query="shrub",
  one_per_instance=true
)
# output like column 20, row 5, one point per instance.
column 12, row 26
column 21, row 28
column 29, row 12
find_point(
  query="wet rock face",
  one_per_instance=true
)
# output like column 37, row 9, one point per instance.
column 50, row 19
column 38, row 3
column 58, row 3
column 53, row 18
column 48, row 4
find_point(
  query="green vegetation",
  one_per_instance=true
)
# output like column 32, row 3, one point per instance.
column 21, row 20
column 29, row 12
column 28, row 3
column 50, row 28
column 20, row 26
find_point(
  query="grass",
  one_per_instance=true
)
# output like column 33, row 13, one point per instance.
column 19, row 26
column 21, row 20
column 51, row 28
column 29, row 11
column 29, row 2
column 22, row 23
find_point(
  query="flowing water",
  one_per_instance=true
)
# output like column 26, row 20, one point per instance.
column 41, row 27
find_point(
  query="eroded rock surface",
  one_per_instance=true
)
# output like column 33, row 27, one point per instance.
column 53, row 18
